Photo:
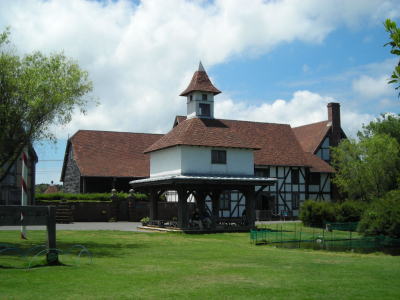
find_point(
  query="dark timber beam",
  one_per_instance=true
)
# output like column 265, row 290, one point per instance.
column 153, row 195
column 215, row 195
column 183, row 219
column 250, row 206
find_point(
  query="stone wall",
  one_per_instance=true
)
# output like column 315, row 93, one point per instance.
column 72, row 175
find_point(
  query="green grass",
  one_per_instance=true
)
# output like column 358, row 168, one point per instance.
column 215, row 266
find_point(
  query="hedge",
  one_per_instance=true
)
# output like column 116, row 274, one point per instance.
column 318, row 213
column 86, row 197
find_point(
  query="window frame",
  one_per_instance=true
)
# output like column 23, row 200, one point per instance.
column 312, row 178
column 295, row 176
column 262, row 172
column 201, row 110
column 218, row 157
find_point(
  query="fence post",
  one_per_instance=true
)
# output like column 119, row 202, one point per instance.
column 52, row 255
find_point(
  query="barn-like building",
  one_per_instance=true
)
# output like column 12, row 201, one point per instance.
column 199, row 144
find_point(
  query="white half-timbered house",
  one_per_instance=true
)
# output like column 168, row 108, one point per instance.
column 201, row 145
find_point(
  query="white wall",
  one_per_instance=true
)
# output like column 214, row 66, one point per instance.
column 197, row 160
column 165, row 162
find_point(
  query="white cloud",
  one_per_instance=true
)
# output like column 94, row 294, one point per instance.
column 303, row 108
column 372, row 87
column 141, row 56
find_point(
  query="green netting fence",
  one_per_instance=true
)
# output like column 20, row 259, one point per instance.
column 335, row 237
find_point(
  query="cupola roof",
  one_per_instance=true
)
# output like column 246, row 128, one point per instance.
column 200, row 82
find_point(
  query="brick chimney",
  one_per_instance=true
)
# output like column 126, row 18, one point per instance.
column 334, row 118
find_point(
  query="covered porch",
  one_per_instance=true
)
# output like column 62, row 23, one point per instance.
column 201, row 188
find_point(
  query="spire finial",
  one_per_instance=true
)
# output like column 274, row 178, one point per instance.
column 201, row 68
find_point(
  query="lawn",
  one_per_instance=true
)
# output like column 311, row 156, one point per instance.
column 159, row 265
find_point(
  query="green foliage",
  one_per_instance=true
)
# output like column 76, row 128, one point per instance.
column 86, row 197
column 349, row 211
column 394, row 34
column 37, row 91
column 383, row 216
column 367, row 168
column 385, row 124
column 316, row 213
column 145, row 220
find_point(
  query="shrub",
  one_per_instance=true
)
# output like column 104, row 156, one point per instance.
column 382, row 217
column 316, row 213
column 95, row 197
column 350, row 211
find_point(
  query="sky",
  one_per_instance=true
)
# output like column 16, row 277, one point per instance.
column 274, row 61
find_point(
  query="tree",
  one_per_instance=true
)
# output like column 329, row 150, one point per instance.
column 385, row 124
column 394, row 33
column 367, row 168
column 36, row 91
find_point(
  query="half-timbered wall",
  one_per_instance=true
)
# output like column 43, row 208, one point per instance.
column 291, row 190
column 323, row 151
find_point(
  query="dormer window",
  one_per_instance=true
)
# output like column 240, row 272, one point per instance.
column 204, row 109
column 204, row 97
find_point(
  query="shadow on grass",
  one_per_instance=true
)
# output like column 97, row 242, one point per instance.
column 96, row 248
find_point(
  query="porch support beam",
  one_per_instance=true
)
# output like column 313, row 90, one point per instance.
column 250, row 206
column 183, row 219
column 153, row 204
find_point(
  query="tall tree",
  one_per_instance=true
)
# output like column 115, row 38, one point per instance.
column 394, row 33
column 367, row 168
column 36, row 91
column 385, row 124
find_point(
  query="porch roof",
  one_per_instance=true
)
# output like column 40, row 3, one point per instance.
column 209, row 180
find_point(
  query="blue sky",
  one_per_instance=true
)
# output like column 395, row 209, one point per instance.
column 275, row 61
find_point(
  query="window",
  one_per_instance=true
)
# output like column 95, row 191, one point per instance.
column 315, row 178
column 190, row 97
column 225, row 201
column 218, row 156
column 204, row 97
column 295, row 176
column 295, row 200
column 204, row 109
column 261, row 172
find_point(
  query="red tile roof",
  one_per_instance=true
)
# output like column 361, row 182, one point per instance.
column 317, row 164
column 277, row 143
column 112, row 154
column 121, row 154
column 200, row 82
column 203, row 132
column 51, row 189
column 179, row 119
column 310, row 136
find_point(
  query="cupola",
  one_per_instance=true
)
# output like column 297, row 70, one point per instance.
column 200, row 95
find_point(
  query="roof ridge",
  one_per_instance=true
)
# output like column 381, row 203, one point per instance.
column 112, row 131
column 315, row 123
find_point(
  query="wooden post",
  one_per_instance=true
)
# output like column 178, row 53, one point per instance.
column 250, row 206
column 153, row 204
column 52, row 255
column 183, row 219
column 201, row 200
column 215, row 205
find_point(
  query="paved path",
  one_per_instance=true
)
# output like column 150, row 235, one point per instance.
column 121, row 226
